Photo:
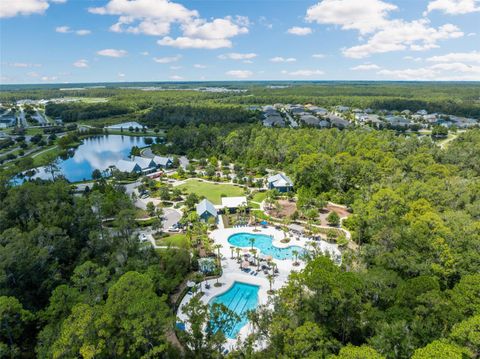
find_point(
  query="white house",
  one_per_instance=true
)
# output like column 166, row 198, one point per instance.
column 232, row 203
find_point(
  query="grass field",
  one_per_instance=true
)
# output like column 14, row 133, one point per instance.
column 45, row 156
column 175, row 240
column 259, row 196
column 212, row 191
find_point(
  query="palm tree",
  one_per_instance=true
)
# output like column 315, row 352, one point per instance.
column 295, row 255
column 254, row 252
column 274, row 267
column 198, row 278
column 252, row 241
column 232, row 248
column 237, row 249
column 217, row 247
column 271, row 279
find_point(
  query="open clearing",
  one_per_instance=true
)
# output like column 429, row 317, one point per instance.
column 212, row 191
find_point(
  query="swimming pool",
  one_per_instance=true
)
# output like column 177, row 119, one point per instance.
column 240, row 298
column 264, row 244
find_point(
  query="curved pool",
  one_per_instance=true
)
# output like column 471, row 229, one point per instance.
column 264, row 243
column 240, row 298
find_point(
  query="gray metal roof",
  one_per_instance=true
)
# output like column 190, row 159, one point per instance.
column 206, row 206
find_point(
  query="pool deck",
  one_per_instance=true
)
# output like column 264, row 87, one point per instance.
column 232, row 272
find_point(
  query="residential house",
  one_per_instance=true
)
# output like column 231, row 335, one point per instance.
column 338, row 122
column 146, row 164
column 231, row 204
column 206, row 210
column 128, row 166
column 463, row 122
column 274, row 120
column 310, row 120
column 163, row 162
column 280, row 182
column 398, row 121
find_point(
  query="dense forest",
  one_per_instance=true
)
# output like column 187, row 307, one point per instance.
column 413, row 287
column 174, row 103
column 73, row 287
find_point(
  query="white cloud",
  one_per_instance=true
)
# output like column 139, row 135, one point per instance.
column 145, row 53
column 161, row 9
column 189, row 43
column 262, row 20
column 237, row 56
column 365, row 67
column 121, row 75
column 216, row 29
column 454, row 7
column 23, row 65
column 303, row 73
column 199, row 66
column 411, row 58
column 370, row 17
column 12, row 8
column 416, row 35
column 82, row 63
column 239, row 74
column 155, row 17
column 112, row 53
column 176, row 77
column 318, row 56
column 473, row 56
column 83, row 32
column 409, row 74
column 67, row 30
column 49, row 78
column 455, row 71
column 299, row 31
column 471, row 34
column 283, row 59
column 167, row 60
column 175, row 67
column 63, row 29
column 365, row 16
column 457, row 67
column 199, row 33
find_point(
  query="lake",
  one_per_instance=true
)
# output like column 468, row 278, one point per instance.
column 98, row 152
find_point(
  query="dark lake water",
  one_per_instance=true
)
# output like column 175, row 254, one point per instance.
column 98, row 152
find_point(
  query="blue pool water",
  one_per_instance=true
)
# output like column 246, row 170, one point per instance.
column 240, row 298
column 97, row 152
column 264, row 244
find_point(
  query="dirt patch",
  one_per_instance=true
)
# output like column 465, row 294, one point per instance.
column 340, row 210
column 287, row 208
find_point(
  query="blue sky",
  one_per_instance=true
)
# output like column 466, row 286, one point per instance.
column 68, row 41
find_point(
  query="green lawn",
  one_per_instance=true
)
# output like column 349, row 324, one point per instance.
column 45, row 156
column 174, row 240
column 259, row 196
column 212, row 191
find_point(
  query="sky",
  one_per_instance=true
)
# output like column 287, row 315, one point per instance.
column 72, row 41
